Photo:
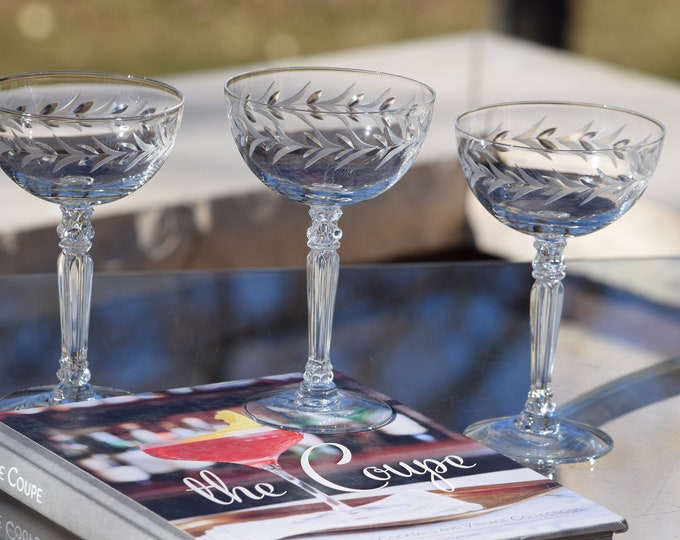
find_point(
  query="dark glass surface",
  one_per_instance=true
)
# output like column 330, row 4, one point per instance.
column 432, row 336
column 449, row 339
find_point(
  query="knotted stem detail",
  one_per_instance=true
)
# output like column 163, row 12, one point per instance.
column 547, row 294
column 318, row 391
column 75, row 270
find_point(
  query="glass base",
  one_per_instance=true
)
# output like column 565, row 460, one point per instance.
column 348, row 413
column 571, row 443
column 39, row 396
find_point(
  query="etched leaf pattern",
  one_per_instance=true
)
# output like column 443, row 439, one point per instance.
column 483, row 160
column 390, row 134
column 18, row 143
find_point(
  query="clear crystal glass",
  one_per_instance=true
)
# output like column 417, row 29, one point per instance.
column 553, row 171
column 325, row 138
column 80, row 140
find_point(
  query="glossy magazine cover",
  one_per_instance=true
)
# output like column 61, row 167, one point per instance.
column 192, row 457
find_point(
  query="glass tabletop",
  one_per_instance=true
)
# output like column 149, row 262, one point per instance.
column 448, row 339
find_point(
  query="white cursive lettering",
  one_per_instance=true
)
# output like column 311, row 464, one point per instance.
column 213, row 488
column 435, row 469
column 345, row 458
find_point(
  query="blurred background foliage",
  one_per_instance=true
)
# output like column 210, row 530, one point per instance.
column 155, row 37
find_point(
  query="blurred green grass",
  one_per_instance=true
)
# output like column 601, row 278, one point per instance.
column 156, row 37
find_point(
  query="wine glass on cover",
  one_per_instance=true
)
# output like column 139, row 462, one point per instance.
column 327, row 138
column 553, row 170
column 81, row 139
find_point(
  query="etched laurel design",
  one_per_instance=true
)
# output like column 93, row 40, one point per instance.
column 20, row 144
column 548, row 139
column 79, row 107
column 393, row 130
column 611, row 164
column 92, row 155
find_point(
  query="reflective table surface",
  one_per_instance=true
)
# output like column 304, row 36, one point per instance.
column 448, row 339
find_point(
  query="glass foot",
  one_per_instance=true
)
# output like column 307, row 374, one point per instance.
column 40, row 396
column 572, row 441
column 348, row 413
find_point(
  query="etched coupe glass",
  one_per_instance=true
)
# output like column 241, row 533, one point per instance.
column 80, row 140
column 553, row 171
column 326, row 138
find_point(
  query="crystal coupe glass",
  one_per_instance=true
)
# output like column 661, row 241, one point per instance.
column 326, row 138
column 553, row 171
column 80, row 140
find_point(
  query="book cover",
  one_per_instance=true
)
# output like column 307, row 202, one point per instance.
column 187, row 463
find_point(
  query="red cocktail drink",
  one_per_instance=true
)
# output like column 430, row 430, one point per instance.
column 255, row 447
column 244, row 442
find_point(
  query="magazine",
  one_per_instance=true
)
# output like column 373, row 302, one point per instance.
column 188, row 463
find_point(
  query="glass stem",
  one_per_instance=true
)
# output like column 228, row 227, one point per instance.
column 75, row 269
column 318, row 391
column 547, row 293
column 320, row 495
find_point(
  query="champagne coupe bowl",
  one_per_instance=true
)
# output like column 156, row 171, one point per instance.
column 79, row 140
column 553, row 171
column 326, row 138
